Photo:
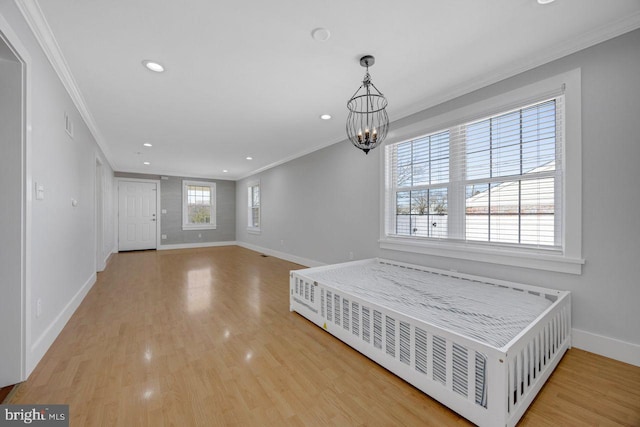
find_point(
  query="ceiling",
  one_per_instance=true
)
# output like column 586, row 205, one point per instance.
column 245, row 78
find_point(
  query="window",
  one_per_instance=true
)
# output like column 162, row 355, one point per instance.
column 421, row 175
column 501, row 171
column 492, row 188
column 253, row 214
column 513, row 173
column 198, row 205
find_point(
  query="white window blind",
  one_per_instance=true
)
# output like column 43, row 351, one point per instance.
column 421, row 177
column 496, row 180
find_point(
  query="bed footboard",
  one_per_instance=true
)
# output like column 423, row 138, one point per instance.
column 534, row 354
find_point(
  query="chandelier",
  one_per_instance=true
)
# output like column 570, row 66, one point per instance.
column 368, row 122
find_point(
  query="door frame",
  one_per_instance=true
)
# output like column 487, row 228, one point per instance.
column 120, row 179
column 99, row 213
column 8, row 36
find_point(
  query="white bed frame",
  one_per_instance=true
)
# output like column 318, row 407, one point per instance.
column 514, row 374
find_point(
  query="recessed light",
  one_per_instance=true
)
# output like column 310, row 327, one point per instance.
column 146, row 163
column 153, row 66
column 249, row 158
column 146, row 144
column 325, row 116
column 224, row 171
column 321, row 34
column 545, row 1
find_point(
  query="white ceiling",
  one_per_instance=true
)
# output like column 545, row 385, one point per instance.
column 245, row 78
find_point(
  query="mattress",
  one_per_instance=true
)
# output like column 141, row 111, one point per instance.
column 489, row 313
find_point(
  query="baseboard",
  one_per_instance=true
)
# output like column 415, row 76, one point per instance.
column 109, row 257
column 282, row 255
column 604, row 346
column 195, row 245
column 44, row 341
column 103, row 264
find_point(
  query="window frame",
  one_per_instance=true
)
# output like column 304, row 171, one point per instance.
column 250, row 227
column 569, row 258
column 185, row 215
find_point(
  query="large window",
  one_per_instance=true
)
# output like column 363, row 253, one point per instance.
column 253, row 203
column 198, row 205
column 498, row 180
column 494, row 180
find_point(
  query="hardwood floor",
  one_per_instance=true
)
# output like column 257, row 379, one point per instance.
column 4, row 392
column 205, row 337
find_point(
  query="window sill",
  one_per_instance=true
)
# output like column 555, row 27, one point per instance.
column 507, row 256
column 199, row 227
column 252, row 230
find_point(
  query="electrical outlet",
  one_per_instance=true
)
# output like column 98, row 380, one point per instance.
column 164, row 237
column 39, row 307
column 350, row 255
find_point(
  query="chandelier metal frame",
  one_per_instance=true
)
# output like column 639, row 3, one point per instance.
column 368, row 122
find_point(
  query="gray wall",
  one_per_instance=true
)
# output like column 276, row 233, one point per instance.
column 326, row 204
column 319, row 207
column 171, row 200
column 62, row 239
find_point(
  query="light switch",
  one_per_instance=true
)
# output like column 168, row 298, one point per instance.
column 164, row 211
column 39, row 191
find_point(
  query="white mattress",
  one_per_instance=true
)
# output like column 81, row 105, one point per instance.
column 488, row 313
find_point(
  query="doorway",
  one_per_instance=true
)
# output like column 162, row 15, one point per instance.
column 99, row 218
column 137, row 215
column 11, row 215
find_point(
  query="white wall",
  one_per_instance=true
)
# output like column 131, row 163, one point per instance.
column 62, row 243
column 326, row 204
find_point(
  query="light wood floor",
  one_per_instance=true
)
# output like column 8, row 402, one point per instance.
column 205, row 337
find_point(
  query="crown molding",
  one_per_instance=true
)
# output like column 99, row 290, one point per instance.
column 290, row 158
column 597, row 35
column 42, row 32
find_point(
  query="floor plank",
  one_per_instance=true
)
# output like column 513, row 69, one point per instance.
column 204, row 337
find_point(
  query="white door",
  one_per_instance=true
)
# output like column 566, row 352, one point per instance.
column 137, row 215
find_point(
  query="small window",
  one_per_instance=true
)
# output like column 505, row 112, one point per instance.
column 253, row 203
column 198, row 205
